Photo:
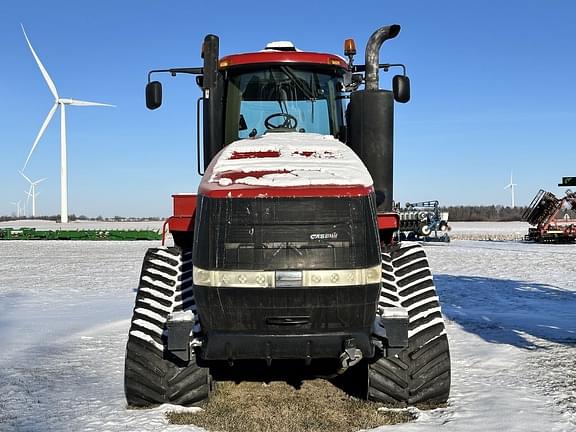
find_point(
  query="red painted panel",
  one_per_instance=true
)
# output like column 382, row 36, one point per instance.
column 236, row 175
column 283, row 57
column 246, row 191
column 256, row 155
column 388, row 221
column 181, row 223
column 184, row 204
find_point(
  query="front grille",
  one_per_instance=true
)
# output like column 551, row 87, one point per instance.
column 286, row 233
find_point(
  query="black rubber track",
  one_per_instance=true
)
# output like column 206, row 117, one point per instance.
column 420, row 374
column 151, row 375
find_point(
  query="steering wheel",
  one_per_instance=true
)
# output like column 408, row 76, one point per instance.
column 290, row 122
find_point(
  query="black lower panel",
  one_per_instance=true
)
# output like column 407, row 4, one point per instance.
column 287, row 310
column 296, row 322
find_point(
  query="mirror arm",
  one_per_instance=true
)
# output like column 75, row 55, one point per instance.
column 174, row 71
column 386, row 66
column 383, row 66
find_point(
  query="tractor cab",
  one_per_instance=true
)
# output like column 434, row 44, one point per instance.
column 281, row 89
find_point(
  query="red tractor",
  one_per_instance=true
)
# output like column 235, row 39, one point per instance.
column 285, row 256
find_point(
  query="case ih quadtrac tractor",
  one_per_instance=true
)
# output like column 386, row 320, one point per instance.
column 285, row 256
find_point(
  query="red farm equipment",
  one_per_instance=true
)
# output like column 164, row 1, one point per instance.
column 285, row 256
column 554, row 219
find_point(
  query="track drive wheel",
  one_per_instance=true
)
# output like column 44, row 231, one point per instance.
column 419, row 374
column 152, row 375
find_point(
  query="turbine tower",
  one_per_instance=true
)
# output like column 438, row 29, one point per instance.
column 17, row 204
column 58, row 102
column 32, row 192
column 511, row 186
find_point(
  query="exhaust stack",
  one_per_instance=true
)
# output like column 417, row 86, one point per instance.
column 372, row 56
column 371, row 122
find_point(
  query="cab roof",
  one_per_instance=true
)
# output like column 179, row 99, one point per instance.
column 282, row 56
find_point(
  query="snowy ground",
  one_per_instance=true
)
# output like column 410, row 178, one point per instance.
column 488, row 230
column 511, row 309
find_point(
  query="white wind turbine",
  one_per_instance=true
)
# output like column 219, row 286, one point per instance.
column 32, row 192
column 511, row 186
column 17, row 204
column 59, row 102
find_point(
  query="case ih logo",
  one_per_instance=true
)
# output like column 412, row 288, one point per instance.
column 329, row 236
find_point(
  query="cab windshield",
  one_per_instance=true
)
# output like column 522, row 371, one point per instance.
column 283, row 99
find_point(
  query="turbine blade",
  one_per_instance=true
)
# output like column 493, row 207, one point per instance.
column 40, row 181
column 26, row 177
column 42, row 129
column 41, row 66
column 77, row 102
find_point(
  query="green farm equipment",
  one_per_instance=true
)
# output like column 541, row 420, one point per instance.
column 34, row 234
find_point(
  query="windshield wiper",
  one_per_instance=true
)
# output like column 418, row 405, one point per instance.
column 303, row 87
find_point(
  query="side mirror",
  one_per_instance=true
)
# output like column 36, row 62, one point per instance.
column 153, row 95
column 401, row 88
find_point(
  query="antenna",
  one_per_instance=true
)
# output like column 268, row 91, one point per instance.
column 58, row 102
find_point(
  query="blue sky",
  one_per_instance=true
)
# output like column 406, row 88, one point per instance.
column 493, row 90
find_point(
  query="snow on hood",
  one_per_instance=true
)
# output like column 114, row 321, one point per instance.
column 289, row 159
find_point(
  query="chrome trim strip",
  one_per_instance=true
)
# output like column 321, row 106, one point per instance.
column 226, row 278
column 267, row 279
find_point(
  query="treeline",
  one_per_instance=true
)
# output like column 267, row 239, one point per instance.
column 457, row 213
column 73, row 218
column 484, row 213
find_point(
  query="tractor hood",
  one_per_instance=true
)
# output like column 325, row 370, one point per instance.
column 286, row 164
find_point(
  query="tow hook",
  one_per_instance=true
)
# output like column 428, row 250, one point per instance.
column 350, row 356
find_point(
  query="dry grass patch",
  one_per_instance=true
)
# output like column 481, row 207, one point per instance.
column 316, row 406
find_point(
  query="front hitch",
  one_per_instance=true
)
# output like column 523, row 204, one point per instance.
column 350, row 356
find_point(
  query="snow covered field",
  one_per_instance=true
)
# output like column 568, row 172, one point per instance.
column 511, row 310
column 488, row 230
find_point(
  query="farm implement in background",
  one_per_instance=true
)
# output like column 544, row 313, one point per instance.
column 423, row 221
column 33, row 234
column 554, row 218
